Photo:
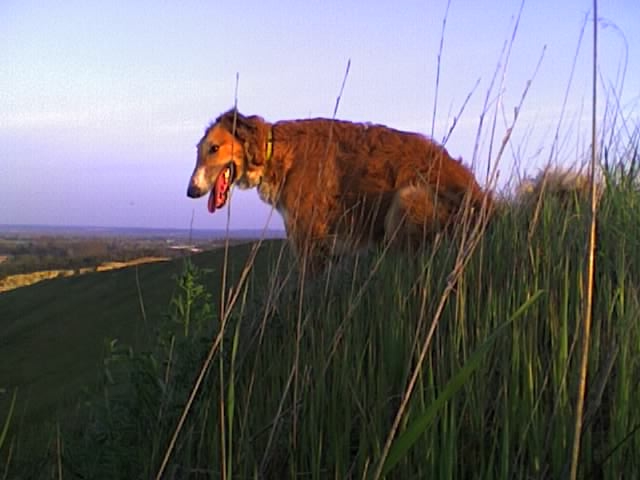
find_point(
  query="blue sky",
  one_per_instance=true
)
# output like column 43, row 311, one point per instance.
column 102, row 103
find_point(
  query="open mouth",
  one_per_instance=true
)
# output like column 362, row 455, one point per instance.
column 220, row 191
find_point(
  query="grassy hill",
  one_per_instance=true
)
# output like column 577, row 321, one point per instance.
column 52, row 334
column 473, row 353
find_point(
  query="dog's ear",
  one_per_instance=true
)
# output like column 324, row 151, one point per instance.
column 247, row 131
column 254, row 143
column 243, row 128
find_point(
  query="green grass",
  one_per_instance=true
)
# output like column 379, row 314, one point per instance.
column 308, row 378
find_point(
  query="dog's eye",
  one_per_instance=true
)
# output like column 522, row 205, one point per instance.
column 213, row 149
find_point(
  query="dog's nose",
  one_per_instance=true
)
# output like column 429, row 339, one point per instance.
column 194, row 192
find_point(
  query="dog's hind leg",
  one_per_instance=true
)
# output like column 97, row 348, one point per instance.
column 414, row 217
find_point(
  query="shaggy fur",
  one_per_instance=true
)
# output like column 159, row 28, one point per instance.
column 339, row 186
column 563, row 184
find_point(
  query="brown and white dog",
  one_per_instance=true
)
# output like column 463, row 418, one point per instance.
column 339, row 186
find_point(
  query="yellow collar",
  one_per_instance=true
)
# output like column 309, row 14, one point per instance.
column 269, row 153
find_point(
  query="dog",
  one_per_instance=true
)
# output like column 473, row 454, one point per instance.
column 339, row 186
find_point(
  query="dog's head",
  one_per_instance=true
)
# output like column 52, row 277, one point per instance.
column 232, row 151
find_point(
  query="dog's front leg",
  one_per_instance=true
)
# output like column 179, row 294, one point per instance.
column 311, row 252
column 310, row 256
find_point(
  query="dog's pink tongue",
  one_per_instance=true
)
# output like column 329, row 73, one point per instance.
column 211, row 203
column 218, row 195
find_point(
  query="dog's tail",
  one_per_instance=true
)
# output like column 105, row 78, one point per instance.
column 560, row 183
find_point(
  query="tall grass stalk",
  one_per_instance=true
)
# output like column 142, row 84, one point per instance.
column 588, row 310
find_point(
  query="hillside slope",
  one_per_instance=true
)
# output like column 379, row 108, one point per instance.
column 52, row 333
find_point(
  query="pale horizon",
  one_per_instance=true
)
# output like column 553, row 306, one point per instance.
column 102, row 104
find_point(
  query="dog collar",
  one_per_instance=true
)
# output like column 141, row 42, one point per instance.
column 269, row 153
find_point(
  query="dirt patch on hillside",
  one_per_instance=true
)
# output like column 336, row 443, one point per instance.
column 24, row 279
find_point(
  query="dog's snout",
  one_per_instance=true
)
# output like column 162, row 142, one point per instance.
column 194, row 192
column 198, row 184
